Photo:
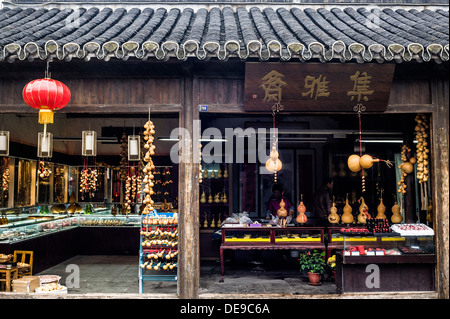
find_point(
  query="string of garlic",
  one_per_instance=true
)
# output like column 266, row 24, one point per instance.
column 422, row 150
column 149, row 167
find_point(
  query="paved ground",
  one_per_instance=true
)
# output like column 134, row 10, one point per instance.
column 119, row 274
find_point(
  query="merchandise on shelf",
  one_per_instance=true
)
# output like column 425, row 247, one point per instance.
column 158, row 257
column 413, row 230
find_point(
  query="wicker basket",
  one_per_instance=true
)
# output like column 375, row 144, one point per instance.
column 5, row 258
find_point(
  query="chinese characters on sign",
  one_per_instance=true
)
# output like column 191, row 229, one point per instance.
column 361, row 82
column 316, row 87
column 272, row 86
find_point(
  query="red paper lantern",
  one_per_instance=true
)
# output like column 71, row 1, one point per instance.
column 46, row 95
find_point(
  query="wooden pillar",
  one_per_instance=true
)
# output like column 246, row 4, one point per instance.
column 440, row 181
column 188, row 242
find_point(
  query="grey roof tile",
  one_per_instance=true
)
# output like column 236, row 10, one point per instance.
column 222, row 32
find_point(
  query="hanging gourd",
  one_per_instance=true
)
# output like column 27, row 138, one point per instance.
column 363, row 212
column 423, row 152
column 333, row 218
column 354, row 163
column 301, row 209
column 366, row 161
column 149, row 167
column 347, row 216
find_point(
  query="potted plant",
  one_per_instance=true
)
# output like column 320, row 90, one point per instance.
column 313, row 262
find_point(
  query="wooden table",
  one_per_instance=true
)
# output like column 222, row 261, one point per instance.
column 269, row 238
column 9, row 272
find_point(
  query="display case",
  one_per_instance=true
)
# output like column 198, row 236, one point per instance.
column 246, row 235
column 259, row 237
column 311, row 236
column 369, row 246
column 109, row 220
column 34, row 226
column 294, row 235
column 24, row 176
column 398, row 262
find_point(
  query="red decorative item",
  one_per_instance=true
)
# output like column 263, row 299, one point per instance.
column 46, row 95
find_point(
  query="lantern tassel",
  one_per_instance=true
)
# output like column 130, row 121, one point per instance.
column 46, row 116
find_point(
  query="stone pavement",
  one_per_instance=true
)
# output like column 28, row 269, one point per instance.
column 119, row 275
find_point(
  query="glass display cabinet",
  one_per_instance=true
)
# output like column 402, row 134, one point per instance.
column 24, row 176
column 34, row 226
column 247, row 235
column 296, row 235
column 263, row 238
column 109, row 220
column 394, row 262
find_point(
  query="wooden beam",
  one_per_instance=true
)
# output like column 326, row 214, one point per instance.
column 440, row 181
column 409, row 108
column 98, row 109
column 189, row 256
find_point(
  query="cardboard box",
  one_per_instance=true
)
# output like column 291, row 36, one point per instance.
column 26, row 284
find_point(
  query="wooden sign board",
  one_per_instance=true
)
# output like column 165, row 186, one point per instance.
column 317, row 87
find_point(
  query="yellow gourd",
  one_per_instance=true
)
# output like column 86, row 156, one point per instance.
column 301, row 218
column 396, row 217
column 381, row 209
column 282, row 212
column 353, row 163
column 363, row 212
column 366, row 161
column 203, row 198
column 333, row 218
column 407, row 167
column 347, row 217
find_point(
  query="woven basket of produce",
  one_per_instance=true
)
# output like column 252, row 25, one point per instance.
column 5, row 258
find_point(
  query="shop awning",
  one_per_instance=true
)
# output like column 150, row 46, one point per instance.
column 287, row 33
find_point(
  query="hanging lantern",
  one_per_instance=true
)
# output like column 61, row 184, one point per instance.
column 134, row 148
column 89, row 143
column 46, row 95
column 45, row 145
column 4, row 143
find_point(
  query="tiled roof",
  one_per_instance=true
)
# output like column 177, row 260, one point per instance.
column 285, row 33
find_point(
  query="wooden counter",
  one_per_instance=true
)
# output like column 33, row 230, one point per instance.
column 413, row 272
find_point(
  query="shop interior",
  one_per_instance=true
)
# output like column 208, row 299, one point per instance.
column 43, row 195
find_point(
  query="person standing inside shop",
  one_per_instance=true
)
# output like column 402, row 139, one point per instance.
column 274, row 203
column 323, row 201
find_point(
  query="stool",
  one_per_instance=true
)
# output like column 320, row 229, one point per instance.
column 12, row 271
column 24, row 256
